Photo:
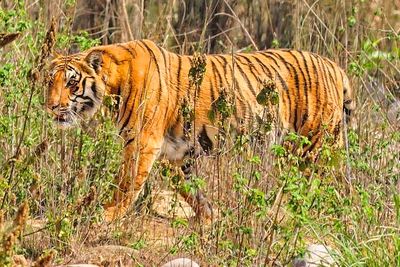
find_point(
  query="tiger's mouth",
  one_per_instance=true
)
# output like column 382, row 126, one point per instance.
column 64, row 121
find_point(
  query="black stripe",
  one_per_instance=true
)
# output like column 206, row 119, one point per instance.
column 334, row 81
column 263, row 66
column 224, row 65
column 118, row 101
column 307, row 68
column 157, row 66
column 190, row 64
column 94, row 90
column 215, row 72
column 128, row 49
column 83, row 88
column 243, row 104
column 159, row 75
column 280, row 79
column 297, row 85
column 125, row 103
column 324, row 80
column 227, row 83
column 168, row 86
column 129, row 141
column 166, row 70
column 305, row 89
column 89, row 103
column 84, row 85
column 314, row 143
column 267, row 55
column 329, row 78
column 286, row 91
column 131, row 108
column 178, row 75
column 124, row 107
column 178, row 89
column 270, row 57
column 244, row 75
column 251, row 67
column 236, row 86
column 164, row 57
column 317, row 86
column 72, row 68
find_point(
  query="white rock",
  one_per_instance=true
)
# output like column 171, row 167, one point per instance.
column 163, row 205
column 316, row 255
column 393, row 113
column 181, row 262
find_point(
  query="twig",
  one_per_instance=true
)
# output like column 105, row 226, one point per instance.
column 241, row 24
column 126, row 28
column 34, row 73
column 6, row 38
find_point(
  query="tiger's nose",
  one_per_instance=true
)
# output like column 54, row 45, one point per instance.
column 53, row 107
column 57, row 108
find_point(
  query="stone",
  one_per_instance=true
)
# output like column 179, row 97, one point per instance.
column 181, row 262
column 316, row 255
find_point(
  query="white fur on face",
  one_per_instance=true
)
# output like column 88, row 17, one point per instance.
column 85, row 96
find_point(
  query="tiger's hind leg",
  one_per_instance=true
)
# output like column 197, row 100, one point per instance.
column 180, row 151
column 199, row 203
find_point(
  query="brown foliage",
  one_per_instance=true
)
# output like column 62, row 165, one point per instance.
column 6, row 38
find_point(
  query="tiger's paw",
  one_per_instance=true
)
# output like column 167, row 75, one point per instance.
column 204, row 212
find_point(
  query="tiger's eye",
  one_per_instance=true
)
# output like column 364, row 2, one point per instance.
column 72, row 83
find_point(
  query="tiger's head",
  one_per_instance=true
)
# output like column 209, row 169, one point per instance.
column 76, row 87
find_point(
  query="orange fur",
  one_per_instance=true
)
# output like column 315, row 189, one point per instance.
column 152, row 84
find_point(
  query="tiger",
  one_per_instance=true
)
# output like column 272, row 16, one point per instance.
column 151, row 84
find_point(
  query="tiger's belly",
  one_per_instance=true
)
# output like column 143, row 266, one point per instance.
column 174, row 149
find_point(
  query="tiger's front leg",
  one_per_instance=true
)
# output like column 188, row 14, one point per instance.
column 139, row 157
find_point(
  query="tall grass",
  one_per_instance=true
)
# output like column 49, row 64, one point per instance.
column 266, row 210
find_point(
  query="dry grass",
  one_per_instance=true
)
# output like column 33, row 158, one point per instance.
column 264, row 215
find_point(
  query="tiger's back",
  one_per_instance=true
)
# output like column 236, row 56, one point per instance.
column 313, row 92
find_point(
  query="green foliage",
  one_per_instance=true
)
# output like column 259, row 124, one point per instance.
column 222, row 108
column 138, row 245
column 81, row 39
column 197, row 70
column 193, row 185
column 268, row 94
column 269, row 202
column 372, row 57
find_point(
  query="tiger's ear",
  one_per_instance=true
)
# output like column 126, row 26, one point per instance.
column 54, row 55
column 95, row 60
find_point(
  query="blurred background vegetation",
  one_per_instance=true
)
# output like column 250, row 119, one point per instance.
column 264, row 216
